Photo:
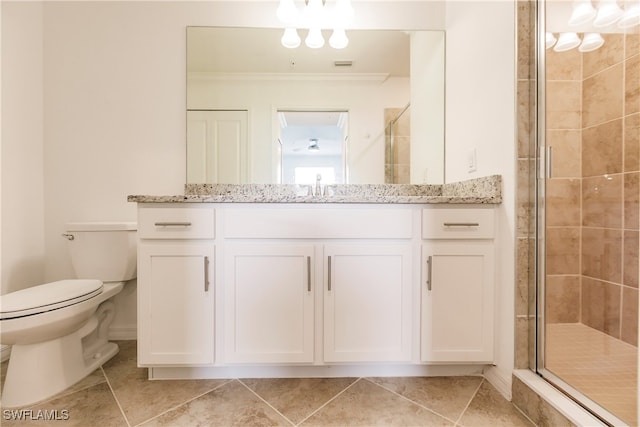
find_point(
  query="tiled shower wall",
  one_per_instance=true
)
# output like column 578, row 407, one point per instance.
column 525, row 244
column 593, row 113
column 397, row 145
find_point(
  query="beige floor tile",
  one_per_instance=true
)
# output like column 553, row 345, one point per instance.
column 92, row 407
column 490, row 408
column 142, row 399
column 596, row 364
column 447, row 396
column 230, row 405
column 297, row 398
column 366, row 404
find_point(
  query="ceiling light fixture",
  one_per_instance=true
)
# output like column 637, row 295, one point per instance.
column 631, row 16
column 583, row 12
column 290, row 39
column 315, row 17
column 567, row 41
column 608, row 13
column 550, row 40
column 591, row 42
column 287, row 12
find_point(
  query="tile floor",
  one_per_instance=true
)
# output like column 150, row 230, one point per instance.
column 119, row 394
column 598, row 365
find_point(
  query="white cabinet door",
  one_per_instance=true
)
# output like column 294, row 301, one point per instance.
column 457, row 301
column 269, row 303
column 175, row 303
column 217, row 147
column 367, row 307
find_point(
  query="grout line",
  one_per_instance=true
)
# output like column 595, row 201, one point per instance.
column 126, row 420
column 266, row 403
column 473, row 396
column 329, row 401
column 409, row 400
column 173, row 408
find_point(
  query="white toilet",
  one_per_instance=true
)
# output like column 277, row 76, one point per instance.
column 58, row 331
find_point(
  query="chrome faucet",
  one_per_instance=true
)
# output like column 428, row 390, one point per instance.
column 318, row 186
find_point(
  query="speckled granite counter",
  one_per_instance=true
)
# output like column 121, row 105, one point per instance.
column 485, row 190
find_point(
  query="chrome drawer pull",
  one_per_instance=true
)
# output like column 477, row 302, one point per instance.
column 329, row 275
column 308, row 274
column 206, row 274
column 461, row 224
column 429, row 268
column 173, row 224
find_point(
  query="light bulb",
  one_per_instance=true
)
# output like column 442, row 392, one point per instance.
column 287, row 12
column 314, row 14
column 608, row 13
column 338, row 39
column 550, row 40
column 314, row 39
column 567, row 41
column 591, row 42
column 290, row 39
column 583, row 12
column 342, row 13
column 631, row 16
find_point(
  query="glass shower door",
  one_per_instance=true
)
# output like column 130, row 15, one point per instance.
column 590, row 217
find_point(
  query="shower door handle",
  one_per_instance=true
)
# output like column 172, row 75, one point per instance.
column 549, row 162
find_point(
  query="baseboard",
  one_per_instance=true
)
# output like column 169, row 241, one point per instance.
column 501, row 383
column 324, row 371
column 123, row 333
column 5, row 352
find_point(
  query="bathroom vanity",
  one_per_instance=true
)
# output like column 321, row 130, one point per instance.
column 269, row 283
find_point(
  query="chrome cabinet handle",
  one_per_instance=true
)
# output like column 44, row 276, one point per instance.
column 429, row 268
column 173, row 224
column 461, row 224
column 329, row 275
column 308, row 274
column 206, row 274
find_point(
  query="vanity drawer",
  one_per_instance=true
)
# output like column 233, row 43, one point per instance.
column 176, row 222
column 458, row 223
column 317, row 223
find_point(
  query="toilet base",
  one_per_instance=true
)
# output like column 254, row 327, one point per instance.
column 39, row 371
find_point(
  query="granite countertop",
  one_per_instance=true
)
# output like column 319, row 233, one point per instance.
column 485, row 190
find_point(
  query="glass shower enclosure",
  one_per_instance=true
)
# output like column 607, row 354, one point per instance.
column 588, row 207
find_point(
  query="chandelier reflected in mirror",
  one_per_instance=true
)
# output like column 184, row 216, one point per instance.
column 315, row 16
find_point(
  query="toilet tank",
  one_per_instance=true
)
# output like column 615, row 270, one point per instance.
column 103, row 250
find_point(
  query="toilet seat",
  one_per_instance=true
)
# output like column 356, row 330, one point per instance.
column 47, row 297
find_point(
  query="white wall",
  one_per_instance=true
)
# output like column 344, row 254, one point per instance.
column 480, row 115
column 22, row 227
column 427, row 100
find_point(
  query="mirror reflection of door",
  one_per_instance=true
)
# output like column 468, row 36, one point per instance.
column 313, row 144
column 217, row 146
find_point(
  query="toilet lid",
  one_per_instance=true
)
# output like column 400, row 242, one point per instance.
column 47, row 297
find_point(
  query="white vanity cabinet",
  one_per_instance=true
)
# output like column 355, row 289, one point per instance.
column 367, row 303
column 361, row 257
column 457, row 285
column 269, row 302
column 262, row 289
column 176, row 258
